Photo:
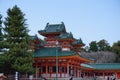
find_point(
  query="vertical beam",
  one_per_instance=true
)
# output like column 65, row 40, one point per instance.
column 68, row 69
column 36, row 70
column 80, row 74
column 103, row 76
column 41, row 70
column 116, row 76
column 64, row 70
column 60, row 70
column 74, row 71
column 50, row 71
column 46, row 68
column 57, row 61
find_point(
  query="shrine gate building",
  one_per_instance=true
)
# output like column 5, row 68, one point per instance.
column 58, row 56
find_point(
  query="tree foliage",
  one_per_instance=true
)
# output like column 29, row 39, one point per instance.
column 1, row 34
column 93, row 46
column 17, row 41
column 101, row 45
column 116, row 49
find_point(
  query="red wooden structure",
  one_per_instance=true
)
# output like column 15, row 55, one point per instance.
column 70, row 63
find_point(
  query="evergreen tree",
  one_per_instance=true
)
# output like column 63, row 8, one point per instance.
column 116, row 49
column 3, row 58
column 18, row 55
column 93, row 46
column 1, row 34
column 103, row 45
column 1, row 42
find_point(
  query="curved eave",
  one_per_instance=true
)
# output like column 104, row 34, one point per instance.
column 88, row 68
column 84, row 68
column 66, row 39
column 79, row 45
column 83, row 59
column 63, row 57
column 49, row 33
column 102, row 68
column 54, row 57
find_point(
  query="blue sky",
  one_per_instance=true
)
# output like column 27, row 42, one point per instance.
column 87, row 19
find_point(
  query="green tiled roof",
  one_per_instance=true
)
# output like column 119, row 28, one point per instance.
column 66, row 35
column 51, row 52
column 103, row 66
column 41, row 42
column 50, row 28
column 34, row 37
column 89, row 58
column 78, row 41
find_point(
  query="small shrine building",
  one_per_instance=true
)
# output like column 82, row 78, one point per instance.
column 58, row 56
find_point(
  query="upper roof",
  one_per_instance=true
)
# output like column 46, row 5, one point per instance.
column 35, row 37
column 52, row 28
column 78, row 41
column 66, row 35
column 40, row 41
column 51, row 52
column 102, row 66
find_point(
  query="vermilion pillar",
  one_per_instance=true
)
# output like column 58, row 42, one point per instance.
column 36, row 70
column 68, row 69
column 46, row 69
column 103, row 76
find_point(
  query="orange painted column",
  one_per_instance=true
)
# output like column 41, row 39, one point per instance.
column 74, row 72
column 50, row 71
column 41, row 70
column 103, row 76
column 46, row 69
column 36, row 70
column 60, row 70
column 116, row 75
column 80, row 73
column 68, row 69
column 64, row 70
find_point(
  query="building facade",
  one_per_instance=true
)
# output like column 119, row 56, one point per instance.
column 57, row 56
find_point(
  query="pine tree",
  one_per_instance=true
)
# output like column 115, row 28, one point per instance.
column 1, row 44
column 1, row 34
column 17, row 41
column 103, row 45
column 93, row 46
column 116, row 49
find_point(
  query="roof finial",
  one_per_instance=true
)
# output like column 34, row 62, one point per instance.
column 80, row 40
column 47, row 23
column 62, row 22
column 71, row 34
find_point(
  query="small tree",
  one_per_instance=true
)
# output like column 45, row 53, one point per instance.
column 17, row 41
column 116, row 49
column 103, row 45
column 93, row 46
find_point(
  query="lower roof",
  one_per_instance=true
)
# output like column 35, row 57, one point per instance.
column 102, row 66
column 51, row 52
